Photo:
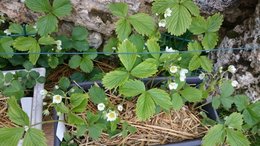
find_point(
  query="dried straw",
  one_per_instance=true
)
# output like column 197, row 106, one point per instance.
column 4, row 120
column 163, row 128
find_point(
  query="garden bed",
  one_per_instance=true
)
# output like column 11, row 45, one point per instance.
column 164, row 127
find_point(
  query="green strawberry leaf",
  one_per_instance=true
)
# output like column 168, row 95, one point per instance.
column 132, row 88
column 142, row 23
column 145, row 107
column 47, row 24
column 34, row 137
column 10, row 136
column 123, row 29
column 61, row 8
column 119, row 9
column 128, row 60
column 114, row 79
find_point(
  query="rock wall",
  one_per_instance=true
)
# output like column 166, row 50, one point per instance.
column 246, row 35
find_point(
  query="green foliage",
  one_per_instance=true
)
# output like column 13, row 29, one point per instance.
column 119, row 9
column 229, row 133
column 127, row 54
column 108, row 48
column 123, row 29
column 114, row 79
column 5, row 47
column 10, row 136
column 147, row 101
column 191, row 94
column 144, row 69
column 34, row 137
column 64, row 83
column 208, row 28
column 132, row 88
column 142, row 23
column 179, row 21
column 16, row 114
column 28, row 44
column 177, row 101
column 153, row 47
column 181, row 16
column 12, row 85
column 79, row 102
column 49, row 22
column 97, row 95
column 145, row 107
column 85, row 63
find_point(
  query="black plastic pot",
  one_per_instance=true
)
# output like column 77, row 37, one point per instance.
column 210, row 111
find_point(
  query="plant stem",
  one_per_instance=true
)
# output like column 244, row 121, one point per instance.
column 46, row 122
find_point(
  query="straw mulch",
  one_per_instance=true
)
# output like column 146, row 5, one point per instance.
column 4, row 120
column 163, row 128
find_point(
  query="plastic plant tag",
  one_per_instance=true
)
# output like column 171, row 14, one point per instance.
column 27, row 106
column 61, row 129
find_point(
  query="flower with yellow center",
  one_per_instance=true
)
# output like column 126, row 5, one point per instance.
column 173, row 69
column 56, row 99
column 111, row 116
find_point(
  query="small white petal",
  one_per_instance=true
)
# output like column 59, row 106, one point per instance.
column 111, row 116
column 167, row 49
column 7, row 32
column 173, row 86
column 234, row 83
column 232, row 69
column 46, row 112
column 113, row 48
column 173, row 69
column 182, row 78
column 120, row 108
column 56, row 87
column 183, row 72
column 58, row 42
column 162, row 23
column 202, row 76
column 57, row 99
column 101, row 106
column 167, row 13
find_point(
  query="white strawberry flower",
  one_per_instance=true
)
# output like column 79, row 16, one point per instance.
column 173, row 69
column 44, row 103
column 46, row 112
column 7, row 32
column 58, row 43
column 202, row 76
column 234, row 83
column 173, row 86
column 183, row 72
column 232, row 69
column 162, row 23
column 120, row 107
column 220, row 69
column 111, row 116
column 182, row 78
column 56, row 87
column 43, row 92
column 167, row 13
column 101, row 106
column 169, row 49
column 57, row 99
column 113, row 48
